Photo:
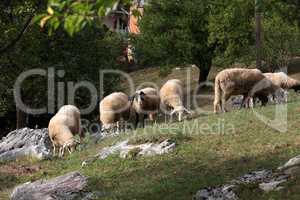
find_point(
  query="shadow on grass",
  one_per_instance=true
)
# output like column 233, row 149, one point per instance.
column 181, row 177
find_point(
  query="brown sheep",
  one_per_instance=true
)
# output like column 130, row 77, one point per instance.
column 145, row 102
column 284, row 81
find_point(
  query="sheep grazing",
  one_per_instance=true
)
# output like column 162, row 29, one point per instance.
column 271, row 90
column 63, row 127
column 239, row 81
column 113, row 109
column 281, row 80
column 145, row 102
column 284, row 81
column 171, row 96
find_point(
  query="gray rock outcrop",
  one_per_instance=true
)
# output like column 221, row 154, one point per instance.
column 25, row 142
column 67, row 187
column 266, row 179
column 126, row 150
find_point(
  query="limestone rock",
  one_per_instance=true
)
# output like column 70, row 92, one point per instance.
column 291, row 163
column 254, row 177
column 219, row 193
column 274, row 183
column 67, row 187
column 124, row 150
column 25, row 142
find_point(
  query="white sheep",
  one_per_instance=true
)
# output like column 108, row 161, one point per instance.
column 171, row 97
column 240, row 81
column 283, row 80
column 114, row 108
column 145, row 102
column 63, row 127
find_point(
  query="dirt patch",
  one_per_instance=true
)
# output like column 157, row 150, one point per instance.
column 19, row 170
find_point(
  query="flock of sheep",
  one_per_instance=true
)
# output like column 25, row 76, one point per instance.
column 117, row 108
column 252, row 84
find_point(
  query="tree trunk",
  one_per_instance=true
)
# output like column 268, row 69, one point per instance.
column 203, row 74
column 20, row 123
column 258, row 31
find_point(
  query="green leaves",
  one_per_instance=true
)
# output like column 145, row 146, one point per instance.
column 259, row 5
column 74, row 23
column 136, row 13
column 281, row 41
column 231, row 31
column 174, row 33
column 74, row 14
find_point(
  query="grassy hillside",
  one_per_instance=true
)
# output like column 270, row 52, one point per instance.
column 211, row 149
column 202, row 158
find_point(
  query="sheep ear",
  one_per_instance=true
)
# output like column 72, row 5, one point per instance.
column 142, row 93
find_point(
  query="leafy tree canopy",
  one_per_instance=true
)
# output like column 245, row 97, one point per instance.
column 25, row 45
column 175, row 33
column 74, row 15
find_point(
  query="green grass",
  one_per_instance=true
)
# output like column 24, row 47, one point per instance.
column 202, row 158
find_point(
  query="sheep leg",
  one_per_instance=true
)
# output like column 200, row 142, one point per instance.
column 118, row 127
column 54, row 149
column 166, row 118
column 225, row 97
column 63, row 152
column 217, row 106
column 143, row 120
column 70, row 152
column 60, row 152
column 218, row 99
column 152, row 117
column 81, row 131
column 124, row 124
column 243, row 101
column 137, row 116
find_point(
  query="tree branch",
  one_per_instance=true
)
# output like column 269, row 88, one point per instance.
column 19, row 36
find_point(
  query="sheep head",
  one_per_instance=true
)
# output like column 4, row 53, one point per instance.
column 139, row 97
column 107, row 127
column 296, row 88
column 180, row 111
column 70, row 146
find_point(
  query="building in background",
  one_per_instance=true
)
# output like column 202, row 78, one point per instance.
column 124, row 20
column 121, row 19
column 116, row 19
column 133, row 20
